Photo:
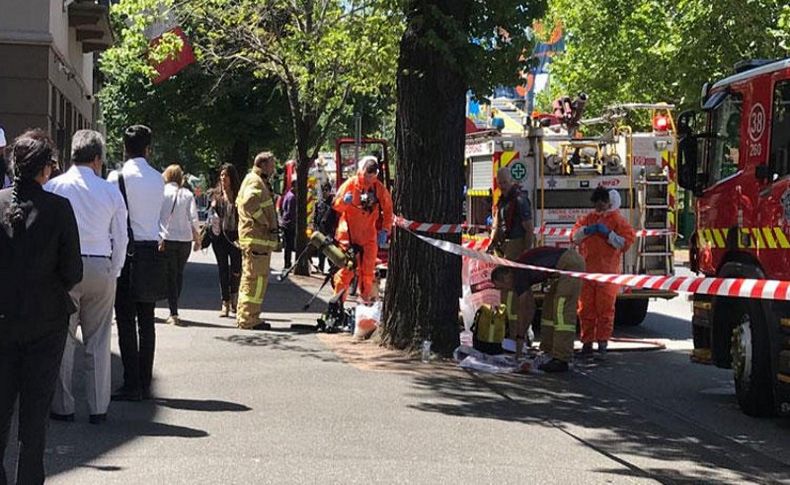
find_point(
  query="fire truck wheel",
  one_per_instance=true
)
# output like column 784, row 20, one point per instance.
column 751, row 363
column 630, row 313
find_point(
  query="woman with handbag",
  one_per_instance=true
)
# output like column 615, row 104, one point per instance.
column 179, row 234
column 223, row 221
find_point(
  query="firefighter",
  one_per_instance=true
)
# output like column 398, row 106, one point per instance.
column 603, row 236
column 365, row 208
column 257, row 238
column 558, row 322
column 512, row 229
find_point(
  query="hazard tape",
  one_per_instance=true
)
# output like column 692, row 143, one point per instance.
column 731, row 287
column 432, row 228
column 477, row 244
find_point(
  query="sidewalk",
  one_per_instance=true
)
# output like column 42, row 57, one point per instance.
column 241, row 407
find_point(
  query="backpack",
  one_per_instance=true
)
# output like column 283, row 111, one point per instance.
column 489, row 328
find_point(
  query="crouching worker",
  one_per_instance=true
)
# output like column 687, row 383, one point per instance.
column 558, row 323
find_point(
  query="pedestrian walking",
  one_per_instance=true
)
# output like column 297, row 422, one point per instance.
column 603, row 236
column 143, row 279
column 224, row 217
column 288, row 223
column 101, row 220
column 179, row 235
column 257, row 238
column 39, row 263
column 558, row 314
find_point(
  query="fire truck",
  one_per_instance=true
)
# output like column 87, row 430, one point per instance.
column 560, row 171
column 734, row 156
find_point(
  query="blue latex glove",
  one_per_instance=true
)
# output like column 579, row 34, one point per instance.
column 589, row 230
column 348, row 197
column 602, row 229
column 382, row 240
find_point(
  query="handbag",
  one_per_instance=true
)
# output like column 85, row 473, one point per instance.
column 145, row 271
column 205, row 236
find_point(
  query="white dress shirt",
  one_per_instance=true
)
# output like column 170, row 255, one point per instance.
column 145, row 193
column 179, row 214
column 99, row 210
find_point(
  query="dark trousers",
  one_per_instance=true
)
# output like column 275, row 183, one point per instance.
column 321, row 261
column 28, row 369
column 289, row 243
column 228, row 263
column 135, row 318
column 177, row 253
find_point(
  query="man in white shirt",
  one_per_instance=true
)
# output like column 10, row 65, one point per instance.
column 101, row 220
column 137, row 291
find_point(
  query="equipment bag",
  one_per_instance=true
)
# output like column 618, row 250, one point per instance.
column 489, row 328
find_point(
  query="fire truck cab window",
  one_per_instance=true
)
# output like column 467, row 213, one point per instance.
column 780, row 130
column 723, row 150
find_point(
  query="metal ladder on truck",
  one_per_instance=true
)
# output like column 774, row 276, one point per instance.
column 654, row 253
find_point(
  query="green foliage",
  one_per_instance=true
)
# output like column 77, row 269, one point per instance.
column 323, row 53
column 200, row 117
column 650, row 50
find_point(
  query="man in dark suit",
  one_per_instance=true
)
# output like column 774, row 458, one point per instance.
column 39, row 263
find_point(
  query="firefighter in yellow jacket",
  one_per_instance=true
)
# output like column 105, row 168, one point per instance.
column 257, row 238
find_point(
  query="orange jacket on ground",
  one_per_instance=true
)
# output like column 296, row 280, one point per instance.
column 357, row 224
column 599, row 255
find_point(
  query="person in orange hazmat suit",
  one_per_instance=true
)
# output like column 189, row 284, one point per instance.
column 365, row 208
column 603, row 236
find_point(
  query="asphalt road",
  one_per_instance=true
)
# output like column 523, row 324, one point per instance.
column 280, row 407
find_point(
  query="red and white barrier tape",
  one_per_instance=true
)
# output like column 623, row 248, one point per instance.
column 477, row 244
column 732, row 287
column 431, row 228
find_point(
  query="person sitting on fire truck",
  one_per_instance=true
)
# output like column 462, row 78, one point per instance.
column 603, row 236
column 365, row 208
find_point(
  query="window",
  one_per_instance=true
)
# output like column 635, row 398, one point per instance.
column 723, row 144
column 780, row 130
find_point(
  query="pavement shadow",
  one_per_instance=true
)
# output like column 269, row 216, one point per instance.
column 205, row 405
column 626, row 430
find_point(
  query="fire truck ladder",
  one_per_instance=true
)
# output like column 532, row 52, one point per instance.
column 654, row 252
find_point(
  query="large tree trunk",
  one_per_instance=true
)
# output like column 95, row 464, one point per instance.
column 424, row 283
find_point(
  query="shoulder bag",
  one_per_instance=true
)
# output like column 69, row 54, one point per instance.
column 145, row 271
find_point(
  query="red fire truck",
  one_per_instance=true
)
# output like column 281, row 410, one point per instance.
column 735, row 158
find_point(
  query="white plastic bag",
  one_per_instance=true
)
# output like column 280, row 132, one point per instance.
column 366, row 319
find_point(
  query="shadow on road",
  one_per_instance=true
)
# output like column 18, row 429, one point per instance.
column 628, row 431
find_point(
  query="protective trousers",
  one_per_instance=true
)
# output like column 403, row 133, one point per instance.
column 558, row 321
column 93, row 297
column 596, row 311
column 366, row 271
column 252, row 288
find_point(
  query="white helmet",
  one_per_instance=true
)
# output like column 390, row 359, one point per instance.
column 366, row 159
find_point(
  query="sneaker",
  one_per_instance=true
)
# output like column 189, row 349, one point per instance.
column 554, row 365
column 174, row 320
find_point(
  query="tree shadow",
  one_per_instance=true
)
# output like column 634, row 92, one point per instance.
column 632, row 432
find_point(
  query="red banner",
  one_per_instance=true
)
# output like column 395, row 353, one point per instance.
column 174, row 64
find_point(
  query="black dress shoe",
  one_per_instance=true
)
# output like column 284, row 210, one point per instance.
column 127, row 395
column 262, row 326
column 67, row 418
column 97, row 418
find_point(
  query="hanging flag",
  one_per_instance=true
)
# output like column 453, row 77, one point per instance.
column 167, row 23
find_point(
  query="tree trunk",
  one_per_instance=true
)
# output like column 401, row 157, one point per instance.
column 240, row 156
column 424, row 283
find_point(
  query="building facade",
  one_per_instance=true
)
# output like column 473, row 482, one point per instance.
column 48, row 50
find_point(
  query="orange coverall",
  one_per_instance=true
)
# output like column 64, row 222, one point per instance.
column 596, row 305
column 360, row 226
